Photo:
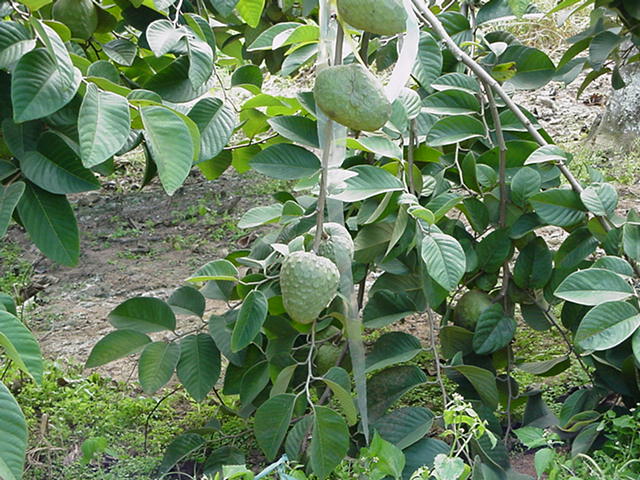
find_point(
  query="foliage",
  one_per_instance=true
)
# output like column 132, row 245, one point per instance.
column 610, row 41
column 449, row 195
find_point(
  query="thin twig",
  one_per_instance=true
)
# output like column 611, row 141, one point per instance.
column 146, row 423
column 412, row 145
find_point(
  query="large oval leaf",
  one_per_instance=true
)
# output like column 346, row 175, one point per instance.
column 116, row 345
column 9, row 198
column 391, row 348
column 387, row 386
column 429, row 62
column 102, row 112
column 40, row 85
column 368, row 182
column 444, row 258
column 483, row 381
column 251, row 316
column 559, row 207
column 144, row 315
column 179, row 448
column 199, row 365
column 272, row 422
column 286, row 162
column 494, row 331
column 607, row 325
column 455, row 129
column 329, row 441
column 13, row 436
column 15, row 41
column 56, row 168
column 50, row 224
column 156, row 365
column 170, row 144
column 216, row 123
column 593, row 287
column 405, row 426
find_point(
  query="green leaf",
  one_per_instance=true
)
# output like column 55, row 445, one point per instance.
column 15, row 41
column 577, row 246
column 121, row 51
column 264, row 41
column 483, row 381
column 377, row 144
column 494, row 331
column 534, row 265
column 387, row 386
column 607, row 325
column 56, row 168
column 601, row 47
column 559, row 207
column 50, row 223
column 253, row 382
column 456, row 81
column 170, row 144
column 143, row 314
column 368, row 182
column 600, row 199
column 493, row 250
column 180, row 447
column 423, row 453
column 41, row 85
column 615, row 264
column 272, row 422
column 187, row 300
column 444, row 259
column 286, row 162
column 524, row 185
column 102, row 112
column 156, row 365
column 329, row 441
column 261, row 216
column 631, row 241
column 216, row 123
column 163, row 37
column 216, row 270
column 635, row 344
column 547, row 153
column 451, row 102
column 546, row 368
column 455, row 129
column 593, row 287
column 391, row 348
column 338, row 380
column 200, row 62
column 13, row 436
column 405, row 426
column 199, row 365
column 391, row 460
column 252, row 315
column 429, row 62
column 250, row 11
column 385, row 307
column 297, row 129
column 533, row 67
column 9, row 198
column 248, row 77
column 116, row 345
column 21, row 346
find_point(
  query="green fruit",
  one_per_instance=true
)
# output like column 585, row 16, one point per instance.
column 327, row 356
column 469, row 308
column 384, row 17
column 352, row 96
column 336, row 244
column 308, row 283
column 81, row 16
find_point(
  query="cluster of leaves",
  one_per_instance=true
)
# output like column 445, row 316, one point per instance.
column 449, row 196
column 611, row 40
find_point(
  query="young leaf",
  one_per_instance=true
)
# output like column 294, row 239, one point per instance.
column 272, row 422
column 156, row 365
column 20, row 345
column 199, row 365
column 116, row 345
column 102, row 112
column 252, row 315
column 250, row 11
column 444, row 259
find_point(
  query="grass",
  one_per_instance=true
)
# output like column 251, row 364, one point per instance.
column 15, row 270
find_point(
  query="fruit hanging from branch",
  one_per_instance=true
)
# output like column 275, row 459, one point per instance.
column 470, row 307
column 336, row 244
column 308, row 283
column 353, row 97
column 383, row 17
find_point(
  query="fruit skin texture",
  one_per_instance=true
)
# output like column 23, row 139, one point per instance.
column 336, row 245
column 308, row 283
column 352, row 96
column 384, row 17
column 469, row 308
column 81, row 16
